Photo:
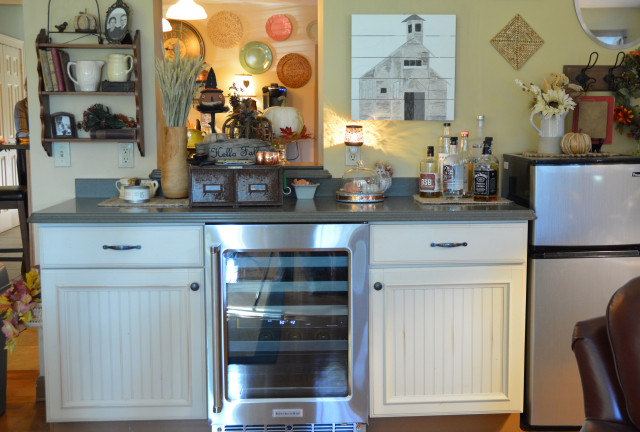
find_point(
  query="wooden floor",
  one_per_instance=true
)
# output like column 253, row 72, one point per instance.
column 23, row 413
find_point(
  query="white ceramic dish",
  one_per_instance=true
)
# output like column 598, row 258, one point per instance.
column 305, row 191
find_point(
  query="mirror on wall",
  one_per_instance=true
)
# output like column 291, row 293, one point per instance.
column 614, row 24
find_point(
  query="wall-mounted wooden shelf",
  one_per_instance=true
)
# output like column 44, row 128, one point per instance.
column 43, row 42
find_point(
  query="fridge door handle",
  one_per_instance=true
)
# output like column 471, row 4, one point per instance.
column 217, row 331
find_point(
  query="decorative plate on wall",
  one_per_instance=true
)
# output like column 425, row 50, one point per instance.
column 256, row 57
column 294, row 70
column 191, row 43
column 225, row 29
column 312, row 30
column 278, row 27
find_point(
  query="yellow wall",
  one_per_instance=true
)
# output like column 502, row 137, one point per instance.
column 484, row 80
column 484, row 85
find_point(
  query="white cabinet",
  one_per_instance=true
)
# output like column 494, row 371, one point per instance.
column 447, row 318
column 123, row 329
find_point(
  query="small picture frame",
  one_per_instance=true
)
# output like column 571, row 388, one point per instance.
column 116, row 23
column 62, row 125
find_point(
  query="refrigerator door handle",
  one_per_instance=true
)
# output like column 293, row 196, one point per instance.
column 217, row 322
column 590, row 254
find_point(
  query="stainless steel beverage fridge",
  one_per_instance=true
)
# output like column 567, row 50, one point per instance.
column 287, row 310
column 583, row 246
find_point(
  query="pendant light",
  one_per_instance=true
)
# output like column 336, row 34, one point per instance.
column 186, row 10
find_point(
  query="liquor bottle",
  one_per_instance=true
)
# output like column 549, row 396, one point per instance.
column 478, row 138
column 452, row 171
column 443, row 148
column 471, row 157
column 467, row 187
column 429, row 176
column 485, row 174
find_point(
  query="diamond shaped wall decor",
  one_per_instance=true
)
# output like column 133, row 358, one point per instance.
column 517, row 42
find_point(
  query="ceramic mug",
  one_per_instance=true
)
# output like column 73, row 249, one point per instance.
column 120, row 184
column 118, row 67
column 88, row 74
column 152, row 185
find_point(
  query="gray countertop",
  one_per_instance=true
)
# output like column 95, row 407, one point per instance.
column 319, row 210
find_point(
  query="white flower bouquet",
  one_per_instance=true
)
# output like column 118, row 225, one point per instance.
column 556, row 98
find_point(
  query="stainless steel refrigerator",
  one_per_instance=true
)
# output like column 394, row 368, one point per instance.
column 584, row 244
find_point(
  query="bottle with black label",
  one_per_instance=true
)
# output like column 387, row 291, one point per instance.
column 485, row 174
column 429, row 176
column 452, row 172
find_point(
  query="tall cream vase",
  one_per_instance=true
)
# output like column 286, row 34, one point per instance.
column 174, row 170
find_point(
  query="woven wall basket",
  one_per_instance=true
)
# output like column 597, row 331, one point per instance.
column 225, row 29
column 294, row 70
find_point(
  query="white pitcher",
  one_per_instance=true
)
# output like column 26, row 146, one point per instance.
column 88, row 74
column 118, row 67
column 551, row 131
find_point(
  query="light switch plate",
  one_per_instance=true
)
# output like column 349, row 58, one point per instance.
column 61, row 154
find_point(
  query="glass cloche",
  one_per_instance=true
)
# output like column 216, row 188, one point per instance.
column 360, row 185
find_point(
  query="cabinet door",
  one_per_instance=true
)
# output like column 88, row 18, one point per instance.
column 124, row 344
column 447, row 340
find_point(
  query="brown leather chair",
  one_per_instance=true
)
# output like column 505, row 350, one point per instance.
column 608, row 353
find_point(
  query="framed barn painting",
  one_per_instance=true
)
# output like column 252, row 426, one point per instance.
column 403, row 67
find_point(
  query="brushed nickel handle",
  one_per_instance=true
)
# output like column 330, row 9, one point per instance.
column 217, row 331
column 121, row 247
column 449, row 245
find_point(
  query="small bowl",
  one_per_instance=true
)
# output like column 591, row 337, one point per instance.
column 267, row 158
column 305, row 191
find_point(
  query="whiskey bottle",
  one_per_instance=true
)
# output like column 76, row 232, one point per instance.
column 429, row 176
column 485, row 174
column 452, row 172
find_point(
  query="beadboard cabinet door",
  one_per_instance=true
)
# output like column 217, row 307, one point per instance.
column 447, row 340
column 124, row 344
column 447, row 318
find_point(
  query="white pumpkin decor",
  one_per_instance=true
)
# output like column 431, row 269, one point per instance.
column 283, row 117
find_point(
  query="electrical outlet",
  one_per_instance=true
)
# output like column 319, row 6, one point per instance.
column 125, row 155
column 61, row 154
column 352, row 155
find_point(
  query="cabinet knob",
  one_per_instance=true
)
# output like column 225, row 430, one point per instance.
column 377, row 286
column 195, row 286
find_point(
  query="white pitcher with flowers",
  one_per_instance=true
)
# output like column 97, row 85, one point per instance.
column 552, row 105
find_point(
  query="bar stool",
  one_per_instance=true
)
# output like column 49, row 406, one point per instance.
column 16, row 197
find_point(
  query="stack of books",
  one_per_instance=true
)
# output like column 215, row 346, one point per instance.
column 53, row 63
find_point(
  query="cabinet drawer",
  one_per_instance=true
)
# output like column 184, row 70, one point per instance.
column 144, row 246
column 485, row 243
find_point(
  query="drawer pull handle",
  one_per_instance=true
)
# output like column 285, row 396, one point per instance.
column 448, row 245
column 121, row 247
column 377, row 286
column 195, row 286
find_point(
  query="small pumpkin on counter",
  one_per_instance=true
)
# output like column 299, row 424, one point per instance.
column 575, row 143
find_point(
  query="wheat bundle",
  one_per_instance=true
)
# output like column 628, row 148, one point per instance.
column 176, row 78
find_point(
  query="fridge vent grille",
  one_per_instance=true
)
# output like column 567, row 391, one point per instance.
column 293, row 428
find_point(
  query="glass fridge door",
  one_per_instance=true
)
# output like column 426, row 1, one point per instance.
column 287, row 323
